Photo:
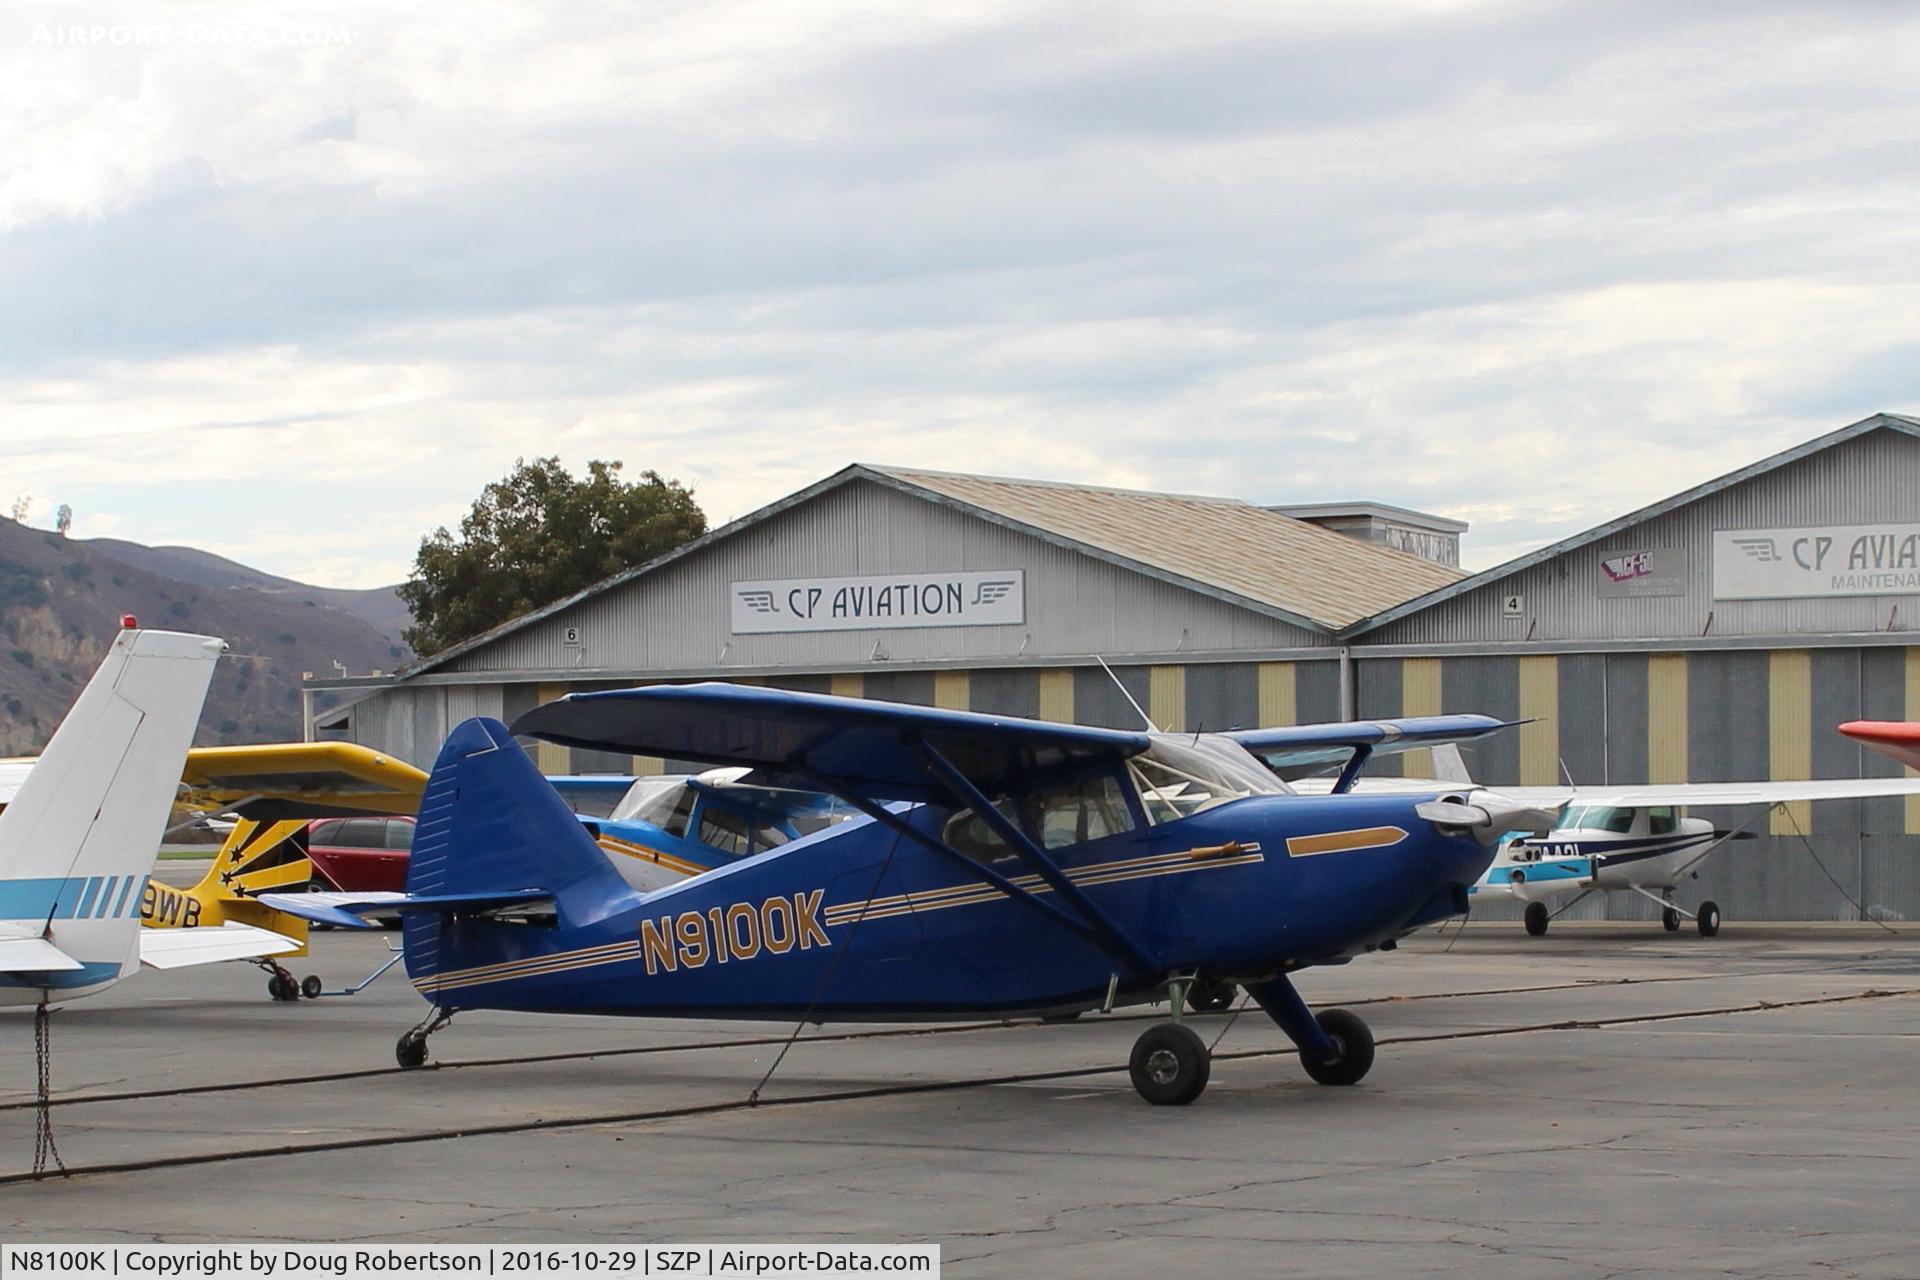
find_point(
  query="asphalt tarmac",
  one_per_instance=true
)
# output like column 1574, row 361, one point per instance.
column 1609, row 1100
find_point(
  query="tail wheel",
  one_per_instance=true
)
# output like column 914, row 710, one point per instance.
column 1170, row 1065
column 1207, row 995
column 1536, row 919
column 411, row 1051
column 1670, row 920
column 281, row 987
column 1354, row 1040
column 1708, row 919
column 310, row 988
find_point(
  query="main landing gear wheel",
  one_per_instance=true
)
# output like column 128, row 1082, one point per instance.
column 1670, row 920
column 1208, row 995
column 1353, row 1038
column 1170, row 1065
column 411, row 1051
column 282, row 987
column 1536, row 919
column 1708, row 919
column 310, row 987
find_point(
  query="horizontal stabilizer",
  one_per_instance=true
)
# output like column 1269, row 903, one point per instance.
column 34, row 955
column 182, row 948
column 348, row 909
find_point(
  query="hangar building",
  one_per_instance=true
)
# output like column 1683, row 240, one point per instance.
column 1717, row 635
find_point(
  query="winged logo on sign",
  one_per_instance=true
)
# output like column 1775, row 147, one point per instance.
column 1761, row 549
column 992, row 592
column 759, row 601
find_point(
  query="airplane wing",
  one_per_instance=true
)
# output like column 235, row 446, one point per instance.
column 283, row 781
column 34, row 955
column 1717, row 793
column 1299, row 750
column 179, row 948
column 1664, row 793
column 811, row 740
column 1900, row 741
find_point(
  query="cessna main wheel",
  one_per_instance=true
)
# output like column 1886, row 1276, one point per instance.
column 1354, row 1040
column 1670, row 920
column 1708, row 919
column 1536, row 919
column 1170, row 1065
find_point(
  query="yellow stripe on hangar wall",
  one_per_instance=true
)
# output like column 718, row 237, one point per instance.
column 550, row 756
column 1279, row 686
column 1056, row 696
column 1539, row 676
column 1790, row 732
column 1420, row 695
column 952, row 690
column 1167, row 698
column 1667, row 717
column 848, row 686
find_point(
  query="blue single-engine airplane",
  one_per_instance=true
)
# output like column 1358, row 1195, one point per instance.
column 1000, row 866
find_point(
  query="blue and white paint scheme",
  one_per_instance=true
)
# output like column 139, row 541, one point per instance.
column 660, row 830
column 80, row 833
column 1639, row 839
column 999, row 866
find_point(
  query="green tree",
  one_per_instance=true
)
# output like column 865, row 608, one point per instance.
column 535, row 537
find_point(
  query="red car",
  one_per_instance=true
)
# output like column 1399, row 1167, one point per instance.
column 357, row 854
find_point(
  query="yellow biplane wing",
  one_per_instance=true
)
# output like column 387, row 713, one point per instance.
column 280, row 781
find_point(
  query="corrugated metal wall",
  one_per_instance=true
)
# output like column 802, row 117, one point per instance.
column 678, row 619
column 1871, row 478
column 1708, row 716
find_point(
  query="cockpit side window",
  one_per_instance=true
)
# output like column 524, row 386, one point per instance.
column 1089, row 809
column 1662, row 821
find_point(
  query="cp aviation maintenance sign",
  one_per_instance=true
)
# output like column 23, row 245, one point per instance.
column 995, row 598
column 1831, row 560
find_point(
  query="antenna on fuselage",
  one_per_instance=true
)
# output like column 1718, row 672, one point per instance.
column 1137, row 710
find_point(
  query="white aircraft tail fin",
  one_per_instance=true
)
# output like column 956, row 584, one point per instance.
column 79, row 837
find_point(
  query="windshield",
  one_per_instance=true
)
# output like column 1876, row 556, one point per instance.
column 1181, row 776
column 651, row 799
column 1597, row 817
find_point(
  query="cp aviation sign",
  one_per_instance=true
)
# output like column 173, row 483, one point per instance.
column 1832, row 560
column 889, row 601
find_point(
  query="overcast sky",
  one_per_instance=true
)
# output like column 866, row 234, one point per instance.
column 291, row 283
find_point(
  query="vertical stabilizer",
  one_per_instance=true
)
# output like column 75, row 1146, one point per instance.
column 80, row 836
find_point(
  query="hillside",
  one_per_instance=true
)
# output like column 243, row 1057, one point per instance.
column 61, row 602
column 380, row 607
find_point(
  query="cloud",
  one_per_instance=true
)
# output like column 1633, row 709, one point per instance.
column 1530, row 265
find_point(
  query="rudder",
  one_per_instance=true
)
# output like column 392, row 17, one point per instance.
column 489, row 822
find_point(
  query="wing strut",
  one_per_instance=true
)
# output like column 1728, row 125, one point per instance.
column 1351, row 773
column 1109, row 935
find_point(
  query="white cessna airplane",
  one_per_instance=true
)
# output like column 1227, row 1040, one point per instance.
column 1609, row 837
column 79, row 833
column 1636, row 838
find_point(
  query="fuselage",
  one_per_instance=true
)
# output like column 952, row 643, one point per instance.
column 1599, row 848
column 860, row 921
